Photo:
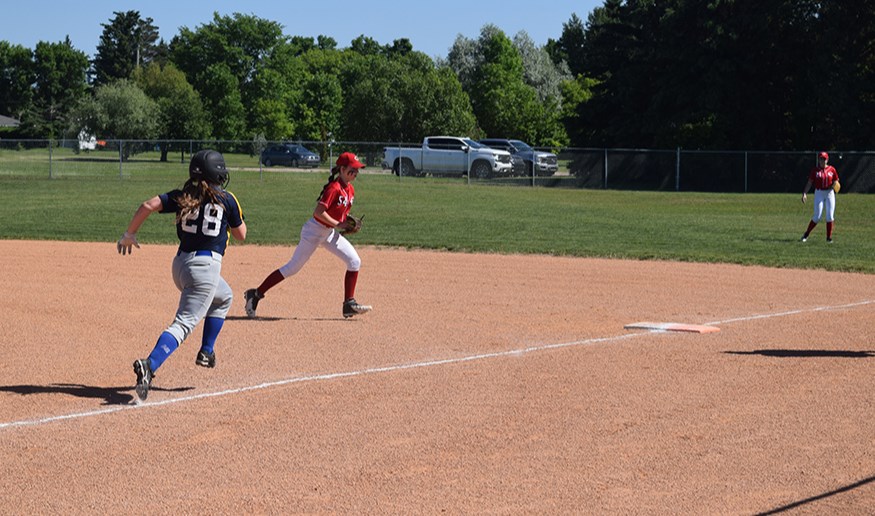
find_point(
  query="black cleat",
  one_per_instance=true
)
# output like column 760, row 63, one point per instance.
column 144, row 378
column 205, row 359
column 252, row 297
column 351, row 307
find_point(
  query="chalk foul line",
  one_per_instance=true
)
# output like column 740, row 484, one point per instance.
column 398, row 367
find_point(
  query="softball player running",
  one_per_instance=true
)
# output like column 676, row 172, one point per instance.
column 822, row 178
column 205, row 214
column 326, row 227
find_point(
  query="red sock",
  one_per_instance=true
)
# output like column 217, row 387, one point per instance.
column 811, row 225
column 269, row 282
column 829, row 229
column 349, row 282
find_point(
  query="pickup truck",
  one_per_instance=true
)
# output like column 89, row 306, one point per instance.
column 529, row 161
column 448, row 155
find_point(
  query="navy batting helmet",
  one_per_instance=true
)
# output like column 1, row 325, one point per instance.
column 208, row 165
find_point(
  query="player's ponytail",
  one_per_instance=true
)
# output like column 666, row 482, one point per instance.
column 335, row 171
column 194, row 193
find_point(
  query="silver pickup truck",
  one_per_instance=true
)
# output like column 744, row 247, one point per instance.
column 450, row 156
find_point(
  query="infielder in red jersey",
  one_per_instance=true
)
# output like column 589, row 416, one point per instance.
column 326, row 227
column 822, row 178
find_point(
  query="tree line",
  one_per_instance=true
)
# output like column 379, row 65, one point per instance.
column 240, row 78
column 721, row 74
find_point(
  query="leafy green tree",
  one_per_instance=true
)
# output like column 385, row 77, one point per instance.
column 464, row 59
column 16, row 79
column 302, row 44
column 492, row 72
column 278, row 87
column 235, row 47
column 119, row 111
column 271, row 114
column 448, row 106
column 372, row 109
column 59, row 83
column 399, row 48
column 128, row 42
column 574, row 93
column 272, row 120
column 402, row 98
column 433, row 100
column 181, row 114
column 320, row 101
column 323, row 99
column 365, row 46
column 326, row 43
column 539, row 70
column 222, row 98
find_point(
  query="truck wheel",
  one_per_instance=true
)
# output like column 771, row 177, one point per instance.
column 268, row 163
column 481, row 170
column 406, row 166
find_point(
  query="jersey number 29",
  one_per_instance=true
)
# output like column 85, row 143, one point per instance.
column 212, row 220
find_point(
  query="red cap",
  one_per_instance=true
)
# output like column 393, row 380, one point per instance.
column 349, row 159
column 823, row 155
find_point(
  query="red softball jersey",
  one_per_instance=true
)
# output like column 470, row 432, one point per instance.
column 338, row 199
column 823, row 178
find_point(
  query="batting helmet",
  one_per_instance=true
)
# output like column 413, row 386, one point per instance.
column 208, row 165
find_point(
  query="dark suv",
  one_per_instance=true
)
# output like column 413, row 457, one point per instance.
column 525, row 157
column 289, row 155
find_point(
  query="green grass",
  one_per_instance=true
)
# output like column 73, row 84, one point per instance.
column 761, row 229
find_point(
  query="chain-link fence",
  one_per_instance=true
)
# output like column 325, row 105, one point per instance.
column 620, row 169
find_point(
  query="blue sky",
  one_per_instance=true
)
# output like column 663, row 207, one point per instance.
column 430, row 26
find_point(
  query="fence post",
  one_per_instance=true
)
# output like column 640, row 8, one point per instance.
column 677, row 174
column 468, row 160
column 121, row 143
column 745, row 171
column 50, row 160
column 606, row 168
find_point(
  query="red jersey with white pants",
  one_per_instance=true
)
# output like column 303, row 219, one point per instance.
column 337, row 199
column 823, row 178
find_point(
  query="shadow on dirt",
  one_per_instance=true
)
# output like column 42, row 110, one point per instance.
column 800, row 503
column 805, row 353
column 110, row 395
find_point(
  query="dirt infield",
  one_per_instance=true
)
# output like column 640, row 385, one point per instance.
column 479, row 384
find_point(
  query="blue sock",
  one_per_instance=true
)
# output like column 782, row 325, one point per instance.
column 163, row 348
column 212, row 327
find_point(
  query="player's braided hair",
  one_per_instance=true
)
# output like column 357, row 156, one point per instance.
column 335, row 172
column 194, row 192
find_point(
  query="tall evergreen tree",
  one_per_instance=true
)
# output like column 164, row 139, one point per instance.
column 127, row 43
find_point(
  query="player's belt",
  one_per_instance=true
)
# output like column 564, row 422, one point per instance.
column 196, row 253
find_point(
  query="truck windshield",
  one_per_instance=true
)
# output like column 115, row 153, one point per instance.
column 520, row 145
column 474, row 145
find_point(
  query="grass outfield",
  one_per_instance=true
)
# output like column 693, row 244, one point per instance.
column 761, row 229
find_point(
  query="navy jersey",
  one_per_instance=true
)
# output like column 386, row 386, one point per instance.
column 205, row 229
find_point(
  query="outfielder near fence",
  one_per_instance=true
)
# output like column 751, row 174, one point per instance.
column 598, row 168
